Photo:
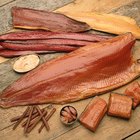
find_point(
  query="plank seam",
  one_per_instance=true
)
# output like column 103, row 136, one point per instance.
column 131, row 134
column 7, row 3
column 64, row 132
column 63, row 5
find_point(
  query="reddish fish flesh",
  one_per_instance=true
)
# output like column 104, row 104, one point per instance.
column 38, row 19
column 85, row 72
column 93, row 113
column 37, row 47
column 133, row 91
column 53, row 42
column 12, row 53
column 40, row 35
column 120, row 106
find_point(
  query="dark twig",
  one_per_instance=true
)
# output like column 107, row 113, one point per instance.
column 27, row 115
column 47, row 118
column 29, row 119
column 32, row 118
column 43, row 118
column 36, row 121
column 21, row 118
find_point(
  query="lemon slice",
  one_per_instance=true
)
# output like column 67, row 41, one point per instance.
column 26, row 63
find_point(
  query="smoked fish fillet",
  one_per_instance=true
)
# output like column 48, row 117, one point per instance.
column 27, row 18
column 85, row 72
column 109, row 23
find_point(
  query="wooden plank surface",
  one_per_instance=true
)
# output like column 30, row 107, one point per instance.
column 135, row 136
column 4, row 2
column 110, row 128
column 94, row 5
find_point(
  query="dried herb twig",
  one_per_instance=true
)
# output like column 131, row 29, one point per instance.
column 36, row 121
column 21, row 118
column 32, row 118
column 29, row 119
column 27, row 115
column 43, row 118
column 33, row 114
column 47, row 118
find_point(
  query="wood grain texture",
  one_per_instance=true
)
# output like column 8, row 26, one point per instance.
column 94, row 5
column 110, row 127
column 4, row 2
column 136, row 136
column 133, row 8
column 2, row 59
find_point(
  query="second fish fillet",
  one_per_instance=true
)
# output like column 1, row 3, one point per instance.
column 86, row 72
column 109, row 23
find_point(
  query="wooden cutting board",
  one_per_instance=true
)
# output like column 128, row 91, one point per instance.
column 110, row 128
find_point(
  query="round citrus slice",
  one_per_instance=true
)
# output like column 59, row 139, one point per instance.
column 26, row 63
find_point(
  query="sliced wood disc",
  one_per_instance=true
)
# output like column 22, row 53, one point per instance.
column 26, row 63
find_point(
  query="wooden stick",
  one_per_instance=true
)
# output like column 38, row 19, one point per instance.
column 36, row 122
column 32, row 119
column 27, row 115
column 43, row 118
column 21, row 118
column 47, row 118
column 18, row 117
column 36, row 115
column 7, row 126
column 29, row 119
